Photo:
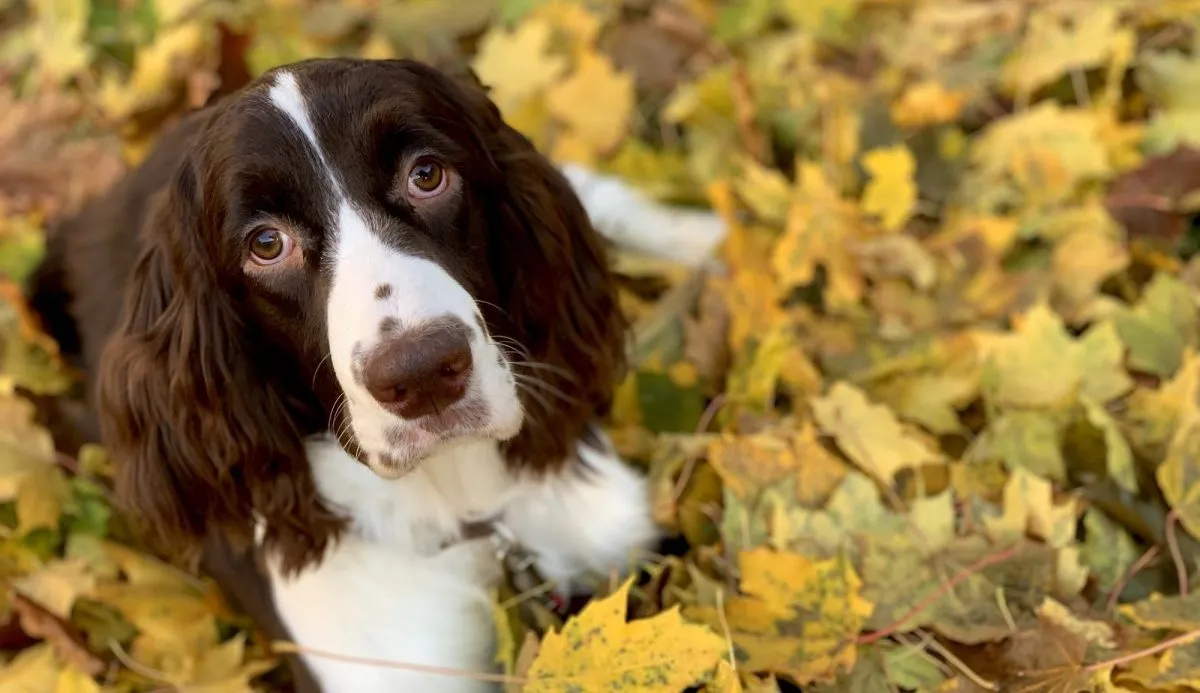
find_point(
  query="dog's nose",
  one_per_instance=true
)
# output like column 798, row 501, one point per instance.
column 420, row 371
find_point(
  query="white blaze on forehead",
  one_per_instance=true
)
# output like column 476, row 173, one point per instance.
column 285, row 94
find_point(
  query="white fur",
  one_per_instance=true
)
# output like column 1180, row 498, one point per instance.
column 390, row 592
column 629, row 218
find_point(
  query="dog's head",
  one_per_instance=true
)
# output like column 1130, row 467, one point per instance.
column 363, row 247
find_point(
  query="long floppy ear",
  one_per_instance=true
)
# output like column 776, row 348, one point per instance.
column 202, row 441
column 554, row 283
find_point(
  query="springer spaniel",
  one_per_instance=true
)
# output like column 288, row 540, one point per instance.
column 347, row 316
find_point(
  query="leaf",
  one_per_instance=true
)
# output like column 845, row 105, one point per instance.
column 1057, row 42
column 517, row 64
column 595, row 80
column 1159, row 327
column 598, row 650
column 1107, row 550
column 1029, row 506
column 892, row 192
column 1165, row 613
column 1118, row 455
column 819, row 230
column 869, row 433
column 33, row 670
column 798, row 617
column 40, row 499
column 1040, row 366
column 58, row 585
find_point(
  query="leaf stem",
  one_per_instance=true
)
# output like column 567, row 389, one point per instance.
column 1160, row 647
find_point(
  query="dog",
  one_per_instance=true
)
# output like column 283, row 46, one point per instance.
column 350, row 328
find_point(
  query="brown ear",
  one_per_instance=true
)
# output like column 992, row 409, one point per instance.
column 203, row 441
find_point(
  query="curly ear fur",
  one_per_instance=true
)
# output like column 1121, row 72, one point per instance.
column 201, row 441
column 558, row 295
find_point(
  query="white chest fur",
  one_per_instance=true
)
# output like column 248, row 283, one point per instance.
column 387, row 591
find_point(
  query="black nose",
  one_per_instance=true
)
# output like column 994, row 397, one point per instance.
column 420, row 371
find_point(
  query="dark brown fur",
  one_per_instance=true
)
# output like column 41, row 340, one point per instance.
column 205, row 388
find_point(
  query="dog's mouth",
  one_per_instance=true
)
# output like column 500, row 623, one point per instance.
column 405, row 444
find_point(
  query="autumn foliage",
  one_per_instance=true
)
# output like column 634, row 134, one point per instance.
column 930, row 421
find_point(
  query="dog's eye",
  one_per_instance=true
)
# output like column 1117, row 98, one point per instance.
column 427, row 178
column 270, row 245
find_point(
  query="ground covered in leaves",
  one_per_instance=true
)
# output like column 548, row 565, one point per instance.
column 931, row 422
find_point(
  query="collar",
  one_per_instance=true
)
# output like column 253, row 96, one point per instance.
column 518, row 562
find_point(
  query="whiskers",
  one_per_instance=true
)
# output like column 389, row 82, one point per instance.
column 532, row 378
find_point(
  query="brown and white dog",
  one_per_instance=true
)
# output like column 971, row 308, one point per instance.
column 341, row 315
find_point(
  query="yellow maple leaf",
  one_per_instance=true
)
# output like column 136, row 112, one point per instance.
column 59, row 33
column 599, row 650
column 869, row 433
column 800, row 616
column 892, row 192
column 1040, row 366
column 1029, row 506
column 595, row 102
column 71, row 680
column 821, row 226
column 515, row 65
column 1057, row 42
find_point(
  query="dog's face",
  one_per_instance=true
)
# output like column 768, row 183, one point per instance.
column 360, row 202
column 363, row 247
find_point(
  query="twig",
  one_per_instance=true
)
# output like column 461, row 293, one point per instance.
column 1134, row 568
column 292, row 648
column 725, row 629
column 135, row 666
column 940, row 650
column 1160, row 647
column 1158, row 203
column 937, row 594
column 1176, row 554
column 689, row 467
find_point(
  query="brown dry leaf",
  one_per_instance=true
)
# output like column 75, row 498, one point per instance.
column 40, row 623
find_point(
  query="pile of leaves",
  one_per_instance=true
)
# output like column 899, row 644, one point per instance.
column 929, row 422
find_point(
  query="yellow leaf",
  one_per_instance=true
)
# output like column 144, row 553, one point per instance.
column 156, row 69
column 821, row 226
column 749, row 463
column 1057, row 42
column 40, row 499
column 869, row 434
column 1040, row 366
column 726, row 679
column 928, row 103
column 517, row 64
column 800, row 616
column 56, row 586
column 71, row 680
column 1029, row 506
column 33, row 670
column 1082, row 261
column 59, row 32
column 25, row 447
column 598, row 650
column 574, row 101
column 892, row 192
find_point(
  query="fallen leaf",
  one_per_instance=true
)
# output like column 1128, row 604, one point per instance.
column 891, row 192
column 599, row 650
column 594, row 80
column 868, row 433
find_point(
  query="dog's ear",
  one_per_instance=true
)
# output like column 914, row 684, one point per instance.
column 202, row 441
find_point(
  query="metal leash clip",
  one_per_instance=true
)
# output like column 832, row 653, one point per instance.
column 520, row 569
